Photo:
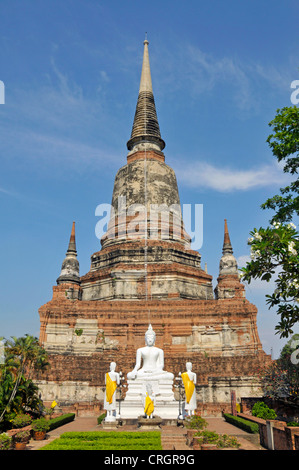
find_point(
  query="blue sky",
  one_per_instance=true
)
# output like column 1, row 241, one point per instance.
column 71, row 71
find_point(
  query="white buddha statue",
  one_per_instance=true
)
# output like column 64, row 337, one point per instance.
column 153, row 361
column 112, row 380
column 189, row 380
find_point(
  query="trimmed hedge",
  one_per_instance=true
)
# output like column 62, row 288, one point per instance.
column 98, row 446
column 101, row 440
column 242, row 423
column 95, row 435
column 61, row 420
column 101, row 418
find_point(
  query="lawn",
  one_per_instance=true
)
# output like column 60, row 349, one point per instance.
column 102, row 440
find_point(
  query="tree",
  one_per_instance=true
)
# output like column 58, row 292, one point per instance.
column 16, row 387
column 275, row 249
column 284, row 143
column 280, row 379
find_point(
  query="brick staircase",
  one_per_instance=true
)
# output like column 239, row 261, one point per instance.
column 173, row 438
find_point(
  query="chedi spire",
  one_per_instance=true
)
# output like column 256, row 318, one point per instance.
column 70, row 266
column 145, row 131
column 228, row 263
column 227, row 246
column 228, row 282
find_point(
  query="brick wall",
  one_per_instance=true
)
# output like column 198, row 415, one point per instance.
column 182, row 330
column 284, row 437
column 213, row 409
column 82, row 409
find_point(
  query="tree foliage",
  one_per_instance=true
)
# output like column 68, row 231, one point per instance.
column 18, row 393
column 280, row 379
column 275, row 249
column 284, row 143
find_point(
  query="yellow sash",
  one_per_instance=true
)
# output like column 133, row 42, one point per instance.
column 110, row 388
column 149, row 405
column 189, row 386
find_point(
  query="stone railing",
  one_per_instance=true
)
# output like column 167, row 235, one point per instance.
column 275, row 435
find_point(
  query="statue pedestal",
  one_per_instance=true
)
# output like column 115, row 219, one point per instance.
column 149, row 424
column 110, row 419
column 166, row 407
column 110, row 424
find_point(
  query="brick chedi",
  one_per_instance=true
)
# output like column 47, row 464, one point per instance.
column 146, row 272
column 146, row 239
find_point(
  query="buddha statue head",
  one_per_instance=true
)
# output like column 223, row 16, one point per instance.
column 150, row 336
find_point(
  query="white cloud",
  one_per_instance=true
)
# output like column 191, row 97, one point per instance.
column 206, row 175
column 242, row 260
column 188, row 67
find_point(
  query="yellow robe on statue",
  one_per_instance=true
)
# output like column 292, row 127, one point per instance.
column 149, row 406
column 111, row 386
column 189, row 386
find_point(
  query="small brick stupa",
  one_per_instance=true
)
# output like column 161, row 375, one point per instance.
column 146, row 272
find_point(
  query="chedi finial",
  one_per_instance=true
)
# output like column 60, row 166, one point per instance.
column 145, row 131
column 228, row 263
column 70, row 266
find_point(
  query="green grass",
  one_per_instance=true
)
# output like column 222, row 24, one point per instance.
column 101, row 440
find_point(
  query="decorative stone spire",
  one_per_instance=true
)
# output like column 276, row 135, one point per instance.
column 146, row 131
column 228, row 263
column 227, row 246
column 70, row 266
column 228, row 285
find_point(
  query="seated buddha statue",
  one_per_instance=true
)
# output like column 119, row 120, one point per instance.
column 152, row 359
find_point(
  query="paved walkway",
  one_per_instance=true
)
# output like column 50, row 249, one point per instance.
column 247, row 440
column 172, row 437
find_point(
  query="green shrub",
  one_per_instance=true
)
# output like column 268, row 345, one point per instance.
column 95, row 435
column 101, row 417
column 242, row 423
column 261, row 410
column 21, row 420
column 22, row 436
column 293, row 424
column 5, row 441
column 220, row 440
column 56, row 445
column 101, row 440
column 61, row 420
column 41, row 424
column 195, row 422
column 207, row 437
column 227, row 441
